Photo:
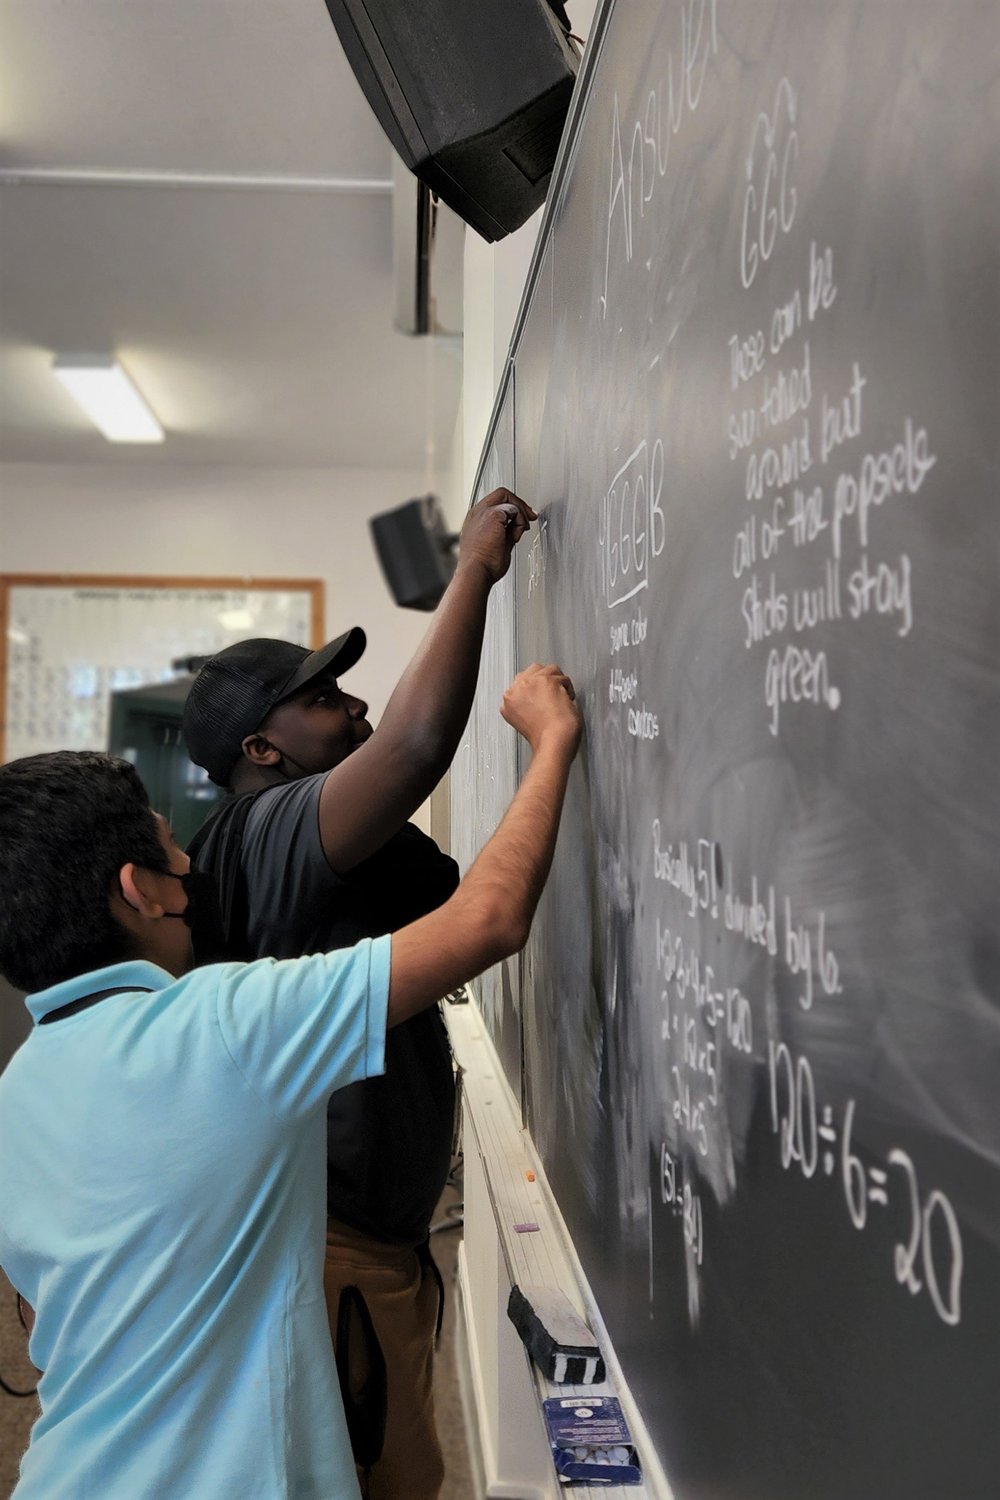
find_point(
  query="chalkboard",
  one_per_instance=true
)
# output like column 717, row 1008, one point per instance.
column 484, row 773
column 757, row 408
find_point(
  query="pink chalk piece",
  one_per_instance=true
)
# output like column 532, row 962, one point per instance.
column 525, row 1228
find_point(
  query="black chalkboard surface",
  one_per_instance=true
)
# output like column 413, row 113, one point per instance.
column 757, row 407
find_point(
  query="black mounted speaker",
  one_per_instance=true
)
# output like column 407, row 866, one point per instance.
column 416, row 550
column 472, row 94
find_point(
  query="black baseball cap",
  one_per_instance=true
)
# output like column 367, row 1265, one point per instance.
column 235, row 691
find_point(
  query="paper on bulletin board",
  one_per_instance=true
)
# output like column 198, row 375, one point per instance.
column 71, row 644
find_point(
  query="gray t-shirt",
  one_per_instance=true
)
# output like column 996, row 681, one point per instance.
column 389, row 1138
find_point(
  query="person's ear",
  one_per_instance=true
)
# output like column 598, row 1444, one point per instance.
column 138, row 888
column 259, row 751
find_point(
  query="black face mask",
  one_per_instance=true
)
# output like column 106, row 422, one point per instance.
column 203, row 915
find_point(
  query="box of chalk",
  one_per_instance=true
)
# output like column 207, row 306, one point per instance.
column 555, row 1335
column 590, row 1441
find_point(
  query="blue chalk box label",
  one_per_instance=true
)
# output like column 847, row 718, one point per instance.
column 590, row 1441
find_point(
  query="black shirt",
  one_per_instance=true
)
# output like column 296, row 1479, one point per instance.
column 389, row 1138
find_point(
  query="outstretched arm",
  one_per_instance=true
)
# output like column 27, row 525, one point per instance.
column 369, row 796
column 490, row 914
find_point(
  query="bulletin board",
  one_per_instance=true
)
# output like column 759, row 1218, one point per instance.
column 70, row 641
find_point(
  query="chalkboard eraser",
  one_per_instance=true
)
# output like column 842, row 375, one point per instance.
column 555, row 1335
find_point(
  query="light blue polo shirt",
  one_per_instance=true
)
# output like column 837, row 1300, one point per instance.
column 162, row 1207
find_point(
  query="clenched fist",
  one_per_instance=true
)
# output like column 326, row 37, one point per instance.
column 541, row 705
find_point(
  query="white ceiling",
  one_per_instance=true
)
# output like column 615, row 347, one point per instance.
column 200, row 186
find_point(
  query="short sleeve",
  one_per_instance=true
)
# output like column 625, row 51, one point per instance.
column 292, row 893
column 298, row 1029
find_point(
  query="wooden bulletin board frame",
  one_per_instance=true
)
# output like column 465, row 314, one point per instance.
column 314, row 587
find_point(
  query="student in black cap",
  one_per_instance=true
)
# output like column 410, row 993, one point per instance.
column 314, row 852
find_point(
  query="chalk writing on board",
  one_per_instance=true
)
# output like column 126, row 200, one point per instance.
column 677, row 1194
column 638, row 166
column 631, row 527
column 770, row 199
column 629, row 632
column 702, row 1013
column 703, row 1016
column 631, row 536
column 788, row 442
column 930, row 1258
column 536, row 556
column 899, row 470
column 787, row 394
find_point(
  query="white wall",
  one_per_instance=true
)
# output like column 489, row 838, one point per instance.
column 270, row 523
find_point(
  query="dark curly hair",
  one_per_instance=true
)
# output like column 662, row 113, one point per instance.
column 68, row 822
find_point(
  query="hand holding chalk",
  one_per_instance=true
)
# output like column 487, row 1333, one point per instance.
column 485, row 544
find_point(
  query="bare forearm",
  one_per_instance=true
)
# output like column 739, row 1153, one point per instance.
column 370, row 795
column 509, row 874
column 490, row 914
column 431, row 703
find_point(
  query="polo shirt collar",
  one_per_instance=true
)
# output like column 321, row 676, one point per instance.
column 135, row 974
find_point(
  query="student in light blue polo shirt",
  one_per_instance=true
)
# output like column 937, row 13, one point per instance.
column 162, row 1129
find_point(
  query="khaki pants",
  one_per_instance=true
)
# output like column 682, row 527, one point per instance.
column 402, row 1299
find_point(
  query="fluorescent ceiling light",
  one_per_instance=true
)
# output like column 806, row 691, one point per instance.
column 105, row 393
